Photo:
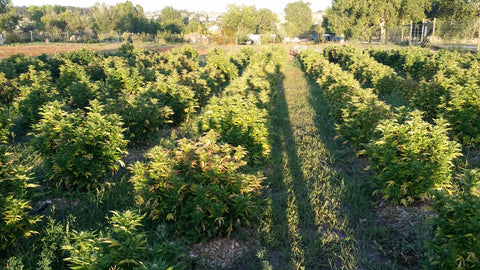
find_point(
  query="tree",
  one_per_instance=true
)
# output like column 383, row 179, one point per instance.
column 299, row 18
column 455, row 9
column 103, row 18
column 266, row 21
column 8, row 18
column 35, row 14
column 171, row 20
column 414, row 10
column 238, row 21
column 362, row 18
column 384, row 14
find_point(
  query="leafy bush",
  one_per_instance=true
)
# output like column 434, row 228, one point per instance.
column 221, row 60
column 455, row 242
column 74, row 86
column 123, row 245
column 411, row 157
column 35, row 94
column 17, row 64
column 78, row 147
column 240, row 123
column 360, row 116
column 144, row 114
column 15, row 221
column 461, row 108
column 9, row 89
column 197, row 187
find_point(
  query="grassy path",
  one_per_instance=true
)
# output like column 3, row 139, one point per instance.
column 315, row 186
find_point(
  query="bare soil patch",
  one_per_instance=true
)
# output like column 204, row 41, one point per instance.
column 36, row 49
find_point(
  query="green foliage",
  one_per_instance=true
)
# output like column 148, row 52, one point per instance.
column 461, row 108
column 74, row 86
column 367, row 70
column 147, row 112
column 361, row 113
column 15, row 221
column 240, row 122
column 197, row 187
column 411, row 157
column 120, row 77
column 356, row 110
column 124, row 244
column 298, row 16
column 34, row 94
column 78, row 147
column 9, row 89
column 54, row 235
column 455, row 242
column 220, row 60
column 16, row 64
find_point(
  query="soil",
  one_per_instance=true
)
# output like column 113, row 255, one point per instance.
column 51, row 48
column 36, row 49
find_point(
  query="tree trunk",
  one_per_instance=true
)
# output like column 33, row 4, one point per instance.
column 478, row 29
column 383, row 31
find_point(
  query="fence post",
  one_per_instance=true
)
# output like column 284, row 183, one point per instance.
column 434, row 25
column 401, row 40
column 478, row 40
column 423, row 30
column 411, row 32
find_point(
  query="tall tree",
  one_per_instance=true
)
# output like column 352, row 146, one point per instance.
column 384, row 14
column 103, row 17
column 8, row 18
column 171, row 20
column 35, row 14
column 266, row 21
column 238, row 21
column 298, row 16
column 455, row 9
column 414, row 10
column 362, row 18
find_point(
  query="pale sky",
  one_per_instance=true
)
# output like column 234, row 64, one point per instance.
column 190, row 5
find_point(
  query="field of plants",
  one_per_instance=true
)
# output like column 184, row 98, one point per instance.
column 245, row 159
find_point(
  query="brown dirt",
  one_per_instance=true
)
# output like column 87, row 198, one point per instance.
column 51, row 48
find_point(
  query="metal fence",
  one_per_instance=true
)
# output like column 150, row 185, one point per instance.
column 439, row 33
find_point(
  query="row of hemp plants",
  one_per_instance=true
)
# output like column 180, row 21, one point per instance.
column 201, row 185
column 81, row 110
column 414, row 159
column 447, row 87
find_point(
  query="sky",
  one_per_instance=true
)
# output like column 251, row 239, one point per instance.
column 276, row 6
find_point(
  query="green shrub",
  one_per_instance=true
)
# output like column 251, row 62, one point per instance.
column 411, row 157
column 197, row 187
column 461, row 108
column 35, row 94
column 74, row 86
column 78, row 147
column 181, row 99
column 120, row 77
column 455, row 244
column 219, row 59
column 83, row 57
column 17, row 64
column 15, row 220
column 143, row 114
column 361, row 113
column 123, row 245
column 240, row 123
column 9, row 89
